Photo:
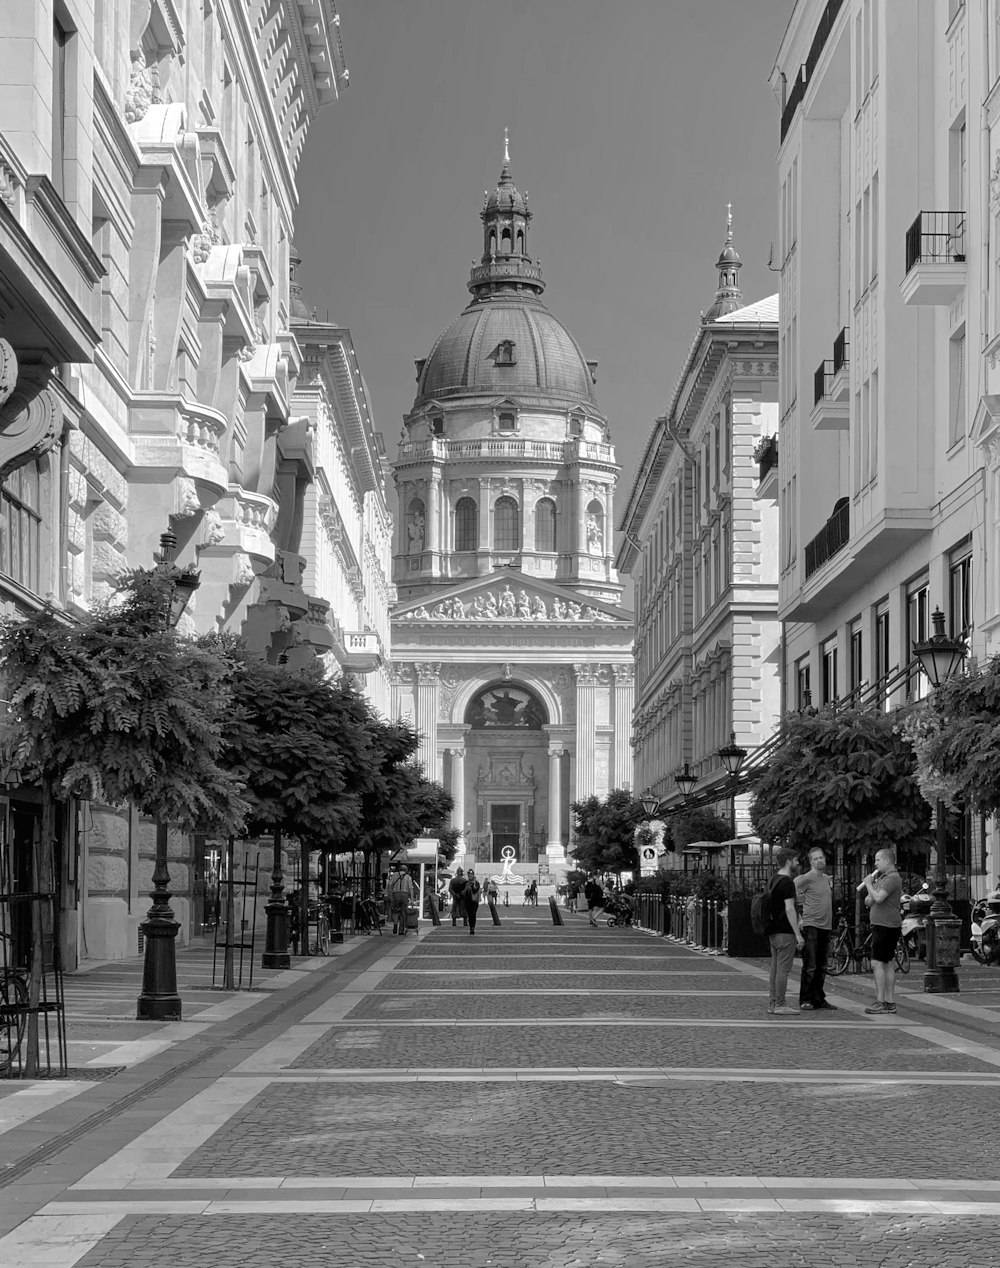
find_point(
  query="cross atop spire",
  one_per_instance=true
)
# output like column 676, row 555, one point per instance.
column 506, row 146
column 729, row 222
column 728, row 296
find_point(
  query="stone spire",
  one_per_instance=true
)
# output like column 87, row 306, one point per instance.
column 506, row 265
column 728, row 297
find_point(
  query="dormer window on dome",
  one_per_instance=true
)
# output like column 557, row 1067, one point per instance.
column 503, row 353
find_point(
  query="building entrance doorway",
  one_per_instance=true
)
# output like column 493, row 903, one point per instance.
column 505, row 822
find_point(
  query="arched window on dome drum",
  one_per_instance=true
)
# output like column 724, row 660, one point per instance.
column 466, row 524
column 505, row 242
column 506, row 525
column 545, row 526
column 520, row 242
column 493, row 244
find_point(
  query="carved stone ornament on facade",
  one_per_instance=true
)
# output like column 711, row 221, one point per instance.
column 506, row 605
column 212, row 530
column 995, row 183
column 243, row 573
column 186, row 502
column 30, row 422
column 8, row 185
column 202, row 243
column 427, row 671
column 141, row 91
column 8, row 370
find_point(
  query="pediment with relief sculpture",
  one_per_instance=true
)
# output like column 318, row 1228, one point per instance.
column 510, row 596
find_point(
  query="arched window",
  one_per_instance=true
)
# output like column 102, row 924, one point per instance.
column 545, row 526
column 506, row 525
column 466, row 524
column 520, row 242
column 493, row 244
column 415, row 523
column 505, row 242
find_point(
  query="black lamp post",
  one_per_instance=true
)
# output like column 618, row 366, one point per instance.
column 732, row 757
column 159, row 1000
column 940, row 656
column 685, row 781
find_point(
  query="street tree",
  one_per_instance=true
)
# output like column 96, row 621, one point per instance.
column 114, row 707
column 844, row 779
column 604, row 835
column 697, row 825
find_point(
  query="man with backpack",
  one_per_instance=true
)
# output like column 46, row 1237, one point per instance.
column 456, row 891
column 400, row 894
column 783, row 931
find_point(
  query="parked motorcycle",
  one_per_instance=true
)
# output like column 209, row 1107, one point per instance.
column 986, row 929
column 915, row 909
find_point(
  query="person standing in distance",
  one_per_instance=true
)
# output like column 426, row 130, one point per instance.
column 882, row 891
column 473, row 889
column 783, row 931
column 814, row 894
column 400, row 891
column 456, row 891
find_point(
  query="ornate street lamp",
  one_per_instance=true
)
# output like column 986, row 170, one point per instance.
column 649, row 802
column 685, row 781
column 732, row 757
column 939, row 657
column 159, row 1000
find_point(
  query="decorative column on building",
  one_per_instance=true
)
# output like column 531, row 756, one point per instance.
column 586, row 729
column 458, row 788
column 434, row 544
column 621, row 775
column 428, row 690
column 554, row 845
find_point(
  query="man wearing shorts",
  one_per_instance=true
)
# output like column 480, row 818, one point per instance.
column 882, row 890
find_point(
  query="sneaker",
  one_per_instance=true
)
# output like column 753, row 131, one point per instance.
column 890, row 1008
column 878, row 1008
column 770, row 1010
column 785, row 1010
column 806, row 1008
column 826, row 1004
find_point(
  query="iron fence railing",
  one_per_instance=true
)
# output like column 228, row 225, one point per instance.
column 840, row 347
column 831, row 538
column 806, row 71
column 936, row 237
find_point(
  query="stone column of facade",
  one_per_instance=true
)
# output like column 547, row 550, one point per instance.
column 554, row 845
column 428, row 691
column 485, row 544
column 621, row 775
column 458, row 788
column 586, row 728
column 434, row 543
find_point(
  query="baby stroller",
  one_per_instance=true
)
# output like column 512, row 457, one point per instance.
column 618, row 912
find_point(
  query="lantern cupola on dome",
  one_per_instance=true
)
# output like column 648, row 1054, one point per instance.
column 728, row 297
column 506, row 265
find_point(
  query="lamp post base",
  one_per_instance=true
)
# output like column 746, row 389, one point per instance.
column 941, row 982
column 159, row 1000
column 276, row 954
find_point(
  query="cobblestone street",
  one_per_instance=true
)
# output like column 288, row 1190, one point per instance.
column 557, row 1096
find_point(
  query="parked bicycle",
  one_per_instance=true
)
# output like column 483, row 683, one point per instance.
column 13, row 1009
column 846, row 952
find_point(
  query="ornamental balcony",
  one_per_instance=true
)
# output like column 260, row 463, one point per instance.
column 362, row 652
column 936, row 267
column 831, row 538
column 766, row 457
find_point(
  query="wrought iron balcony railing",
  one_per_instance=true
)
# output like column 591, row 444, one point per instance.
column 840, row 347
column 832, row 537
column 936, row 237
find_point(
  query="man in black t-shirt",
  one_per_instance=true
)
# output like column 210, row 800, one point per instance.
column 783, row 931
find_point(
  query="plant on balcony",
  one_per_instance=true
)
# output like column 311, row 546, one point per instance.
column 842, row 779
column 604, row 832
column 957, row 739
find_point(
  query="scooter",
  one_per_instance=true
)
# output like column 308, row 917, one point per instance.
column 986, row 929
column 915, row 908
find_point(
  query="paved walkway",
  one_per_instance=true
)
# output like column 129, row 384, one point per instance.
column 535, row 1096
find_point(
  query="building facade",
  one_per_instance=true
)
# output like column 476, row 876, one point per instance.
column 151, row 366
column 511, row 651
column 702, row 550
column 889, row 472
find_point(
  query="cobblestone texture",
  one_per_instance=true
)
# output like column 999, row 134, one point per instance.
column 547, row 1241
column 813, row 1046
column 475, row 1128
column 575, row 963
column 667, row 980
column 470, row 1006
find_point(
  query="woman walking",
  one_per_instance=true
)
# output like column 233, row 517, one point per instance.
column 472, row 891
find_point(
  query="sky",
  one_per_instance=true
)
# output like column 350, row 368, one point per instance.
column 632, row 124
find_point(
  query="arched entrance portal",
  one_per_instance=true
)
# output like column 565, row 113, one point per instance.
column 506, row 747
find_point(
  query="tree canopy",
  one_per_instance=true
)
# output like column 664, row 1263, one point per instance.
column 604, row 837
column 696, row 825
column 843, row 779
column 399, row 801
column 956, row 737
column 114, row 706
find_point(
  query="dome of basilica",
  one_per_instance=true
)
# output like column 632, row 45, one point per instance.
column 507, row 345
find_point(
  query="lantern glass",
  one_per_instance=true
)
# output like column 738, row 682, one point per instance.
column 685, row 781
column 732, row 755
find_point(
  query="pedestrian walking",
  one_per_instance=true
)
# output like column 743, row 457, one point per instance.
column 882, row 890
column 814, row 895
column 492, row 892
column 473, row 889
column 572, row 894
column 783, row 931
column 456, row 891
column 594, row 895
column 400, row 894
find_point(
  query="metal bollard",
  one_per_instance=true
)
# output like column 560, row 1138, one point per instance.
column 554, row 909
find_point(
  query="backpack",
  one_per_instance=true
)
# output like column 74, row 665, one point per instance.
column 398, row 883
column 472, row 890
column 760, row 911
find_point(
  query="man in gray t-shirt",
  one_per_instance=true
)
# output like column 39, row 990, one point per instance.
column 814, row 894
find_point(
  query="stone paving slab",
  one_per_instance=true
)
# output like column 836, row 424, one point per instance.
column 554, row 1240
column 675, row 979
column 557, row 1129
column 815, row 1045
column 466, row 1006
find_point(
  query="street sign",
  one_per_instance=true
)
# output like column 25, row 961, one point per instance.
column 647, row 860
